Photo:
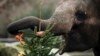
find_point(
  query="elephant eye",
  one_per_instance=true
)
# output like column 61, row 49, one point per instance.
column 80, row 15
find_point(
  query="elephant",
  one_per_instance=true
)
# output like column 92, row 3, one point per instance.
column 76, row 20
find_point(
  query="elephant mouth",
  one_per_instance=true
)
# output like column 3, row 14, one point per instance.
column 73, row 42
column 74, row 34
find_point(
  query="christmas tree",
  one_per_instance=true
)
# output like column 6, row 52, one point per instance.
column 39, row 45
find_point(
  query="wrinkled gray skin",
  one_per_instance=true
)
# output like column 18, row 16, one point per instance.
column 76, row 20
